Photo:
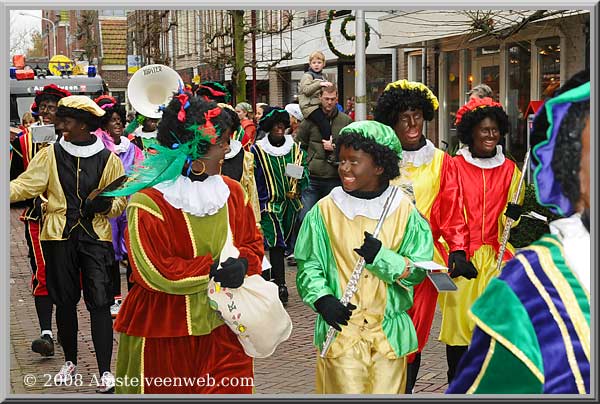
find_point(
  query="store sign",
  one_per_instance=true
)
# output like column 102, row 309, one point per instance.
column 134, row 63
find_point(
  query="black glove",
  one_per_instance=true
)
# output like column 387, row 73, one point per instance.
column 369, row 249
column 333, row 311
column 99, row 204
column 514, row 211
column 459, row 266
column 232, row 272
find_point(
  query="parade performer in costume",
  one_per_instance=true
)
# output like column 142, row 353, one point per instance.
column 247, row 135
column 213, row 91
column 178, row 217
column 532, row 330
column 489, row 182
column 76, row 235
column 369, row 354
column 278, row 194
column 239, row 164
column 45, row 104
column 111, row 134
column 142, row 132
column 433, row 179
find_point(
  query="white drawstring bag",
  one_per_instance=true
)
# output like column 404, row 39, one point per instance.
column 253, row 311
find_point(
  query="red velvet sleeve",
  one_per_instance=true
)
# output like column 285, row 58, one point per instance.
column 152, row 248
column 249, row 135
column 447, row 218
column 246, row 236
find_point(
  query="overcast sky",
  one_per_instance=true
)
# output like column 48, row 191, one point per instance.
column 21, row 24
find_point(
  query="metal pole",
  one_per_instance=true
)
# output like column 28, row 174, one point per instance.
column 253, row 18
column 394, row 64
column 53, row 28
column 360, row 85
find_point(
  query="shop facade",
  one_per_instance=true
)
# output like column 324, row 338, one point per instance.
column 524, row 67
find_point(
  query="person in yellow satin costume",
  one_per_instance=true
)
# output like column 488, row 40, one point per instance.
column 430, row 176
column 368, row 355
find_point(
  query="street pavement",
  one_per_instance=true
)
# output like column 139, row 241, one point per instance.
column 290, row 370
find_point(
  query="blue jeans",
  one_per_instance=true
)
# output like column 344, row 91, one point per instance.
column 317, row 189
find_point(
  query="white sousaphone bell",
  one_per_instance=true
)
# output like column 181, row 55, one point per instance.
column 153, row 86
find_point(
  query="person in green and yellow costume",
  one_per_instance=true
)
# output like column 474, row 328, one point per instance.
column 376, row 333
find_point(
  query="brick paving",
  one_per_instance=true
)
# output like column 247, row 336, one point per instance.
column 290, row 370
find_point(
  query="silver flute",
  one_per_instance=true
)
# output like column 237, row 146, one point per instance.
column 509, row 221
column 352, row 286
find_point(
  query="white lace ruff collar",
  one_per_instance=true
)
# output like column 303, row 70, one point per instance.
column 82, row 151
column 419, row 157
column 235, row 146
column 576, row 245
column 123, row 146
column 276, row 151
column 371, row 208
column 199, row 198
column 146, row 135
column 490, row 162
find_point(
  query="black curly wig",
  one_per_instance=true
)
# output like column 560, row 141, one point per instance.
column 235, row 119
column 566, row 159
column 90, row 120
column 46, row 97
column 118, row 109
column 396, row 100
column 469, row 120
column 382, row 156
column 171, row 130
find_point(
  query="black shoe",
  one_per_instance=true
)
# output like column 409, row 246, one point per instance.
column 44, row 345
column 283, row 294
column 291, row 261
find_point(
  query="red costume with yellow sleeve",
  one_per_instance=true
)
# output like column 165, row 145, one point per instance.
column 167, row 327
column 488, row 185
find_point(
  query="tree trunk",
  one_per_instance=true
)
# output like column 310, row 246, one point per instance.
column 239, row 72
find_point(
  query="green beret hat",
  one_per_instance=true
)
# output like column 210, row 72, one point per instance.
column 378, row 132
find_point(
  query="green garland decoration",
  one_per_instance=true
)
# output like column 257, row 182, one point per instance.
column 332, row 15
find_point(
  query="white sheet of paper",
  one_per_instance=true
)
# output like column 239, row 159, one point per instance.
column 429, row 265
column 294, row 170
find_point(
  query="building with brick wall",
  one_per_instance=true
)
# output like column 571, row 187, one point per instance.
column 520, row 65
column 91, row 37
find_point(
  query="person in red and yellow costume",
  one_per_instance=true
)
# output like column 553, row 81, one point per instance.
column 430, row 175
column 489, row 182
column 178, row 219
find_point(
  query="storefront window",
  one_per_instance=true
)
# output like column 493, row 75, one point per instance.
column 378, row 76
column 415, row 67
column 519, row 96
column 452, row 91
column 549, row 56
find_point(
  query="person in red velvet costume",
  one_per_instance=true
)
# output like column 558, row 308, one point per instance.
column 178, row 216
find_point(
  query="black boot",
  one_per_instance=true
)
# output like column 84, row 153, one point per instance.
column 412, row 371
column 453, row 356
column 44, row 345
column 283, row 294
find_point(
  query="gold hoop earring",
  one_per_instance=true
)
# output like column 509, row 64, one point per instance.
column 201, row 172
